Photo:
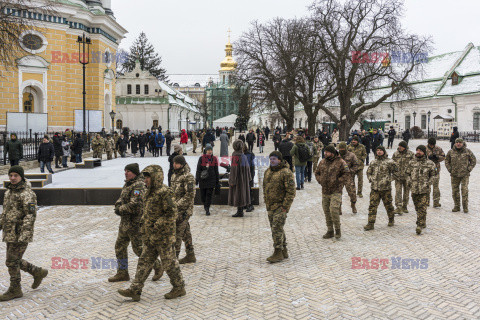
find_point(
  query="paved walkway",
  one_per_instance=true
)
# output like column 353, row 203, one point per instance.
column 232, row 280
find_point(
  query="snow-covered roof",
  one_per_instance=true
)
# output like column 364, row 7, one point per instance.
column 178, row 98
column 228, row 121
column 189, row 80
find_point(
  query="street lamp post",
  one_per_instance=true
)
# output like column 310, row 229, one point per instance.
column 112, row 116
column 414, row 116
column 429, row 113
column 84, row 59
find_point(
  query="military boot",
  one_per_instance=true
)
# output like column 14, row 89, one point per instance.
column 207, row 210
column 277, row 256
column 437, row 205
column 369, row 226
column 38, row 277
column 391, row 222
column 122, row 275
column 338, row 234
column 360, row 195
column 158, row 273
column 399, row 211
column 239, row 213
column 456, row 209
column 189, row 258
column 418, row 230
column 129, row 293
column 354, row 208
column 13, row 292
column 285, row 253
column 175, row 293
column 329, row 234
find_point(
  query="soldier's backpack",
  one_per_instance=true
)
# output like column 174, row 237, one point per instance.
column 303, row 152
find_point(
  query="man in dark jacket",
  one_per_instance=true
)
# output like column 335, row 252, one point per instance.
column 46, row 153
column 325, row 138
column 377, row 139
column 142, row 143
column 14, row 149
column 267, row 132
column 168, row 141
column 177, row 151
column 391, row 137
column 406, row 135
column 122, row 145
column 250, row 139
column 57, row 146
column 285, row 146
column 277, row 138
column 251, row 163
column 367, row 142
column 209, row 138
column 78, row 148
column 455, row 135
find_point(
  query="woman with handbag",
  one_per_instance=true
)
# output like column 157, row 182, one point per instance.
column 207, row 177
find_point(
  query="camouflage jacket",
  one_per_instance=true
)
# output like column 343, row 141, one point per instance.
column 278, row 187
column 130, row 205
column 98, row 144
column 380, row 173
column 460, row 162
column 332, row 175
column 109, row 145
column 317, row 149
column 351, row 161
column 361, row 154
column 115, row 139
column 194, row 137
column 403, row 161
column 19, row 213
column 438, row 152
column 183, row 188
column 420, row 175
column 160, row 211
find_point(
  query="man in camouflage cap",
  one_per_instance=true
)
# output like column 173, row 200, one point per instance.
column 380, row 174
column 183, row 188
column 361, row 153
column 17, row 222
column 403, row 158
column 460, row 161
column 421, row 173
column 130, row 209
column 109, row 147
column 435, row 154
column 332, row 173
column 158, row 231
column 351, row 160
column 278, row 194
column 98, row 145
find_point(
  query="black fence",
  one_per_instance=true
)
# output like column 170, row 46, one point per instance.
column 31, row 141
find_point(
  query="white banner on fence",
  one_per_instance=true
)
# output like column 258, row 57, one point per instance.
column 23, row 122
column 93, row 120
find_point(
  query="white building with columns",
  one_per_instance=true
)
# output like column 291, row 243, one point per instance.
column 144, row 103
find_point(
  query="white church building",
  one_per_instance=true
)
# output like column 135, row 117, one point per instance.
column 143, row 102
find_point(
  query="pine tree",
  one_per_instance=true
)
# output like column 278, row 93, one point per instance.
column 150, row 60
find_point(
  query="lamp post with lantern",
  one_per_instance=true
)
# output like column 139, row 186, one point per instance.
column 84, row 59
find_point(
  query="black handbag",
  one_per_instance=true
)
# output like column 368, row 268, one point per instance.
column 204, row 174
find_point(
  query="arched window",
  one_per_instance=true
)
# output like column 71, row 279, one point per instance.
column 146, row 89
column 155, row 123
column 137, row 89
column 407, row 122
column 129, row 89
column 28, row 102
column 119, row 124
column 476, row 121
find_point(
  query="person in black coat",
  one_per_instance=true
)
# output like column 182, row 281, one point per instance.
column 391, row 137
column 242, row 137
column 277, row 138
column 285, row 146
column 267, row 132
column 406, row 135
column 210, row 163
column 168, row 141
column 151, row 143
column 122, row 145
column 46, row 152
column 57, row 146
column 177, row 151
column 142, row 143
column 377, row 139
column 325, row 138
column 78, row 148
column 367, row 142
column 251, row 163
column 251, row 138
column 133, row 142
column 455, row 135
column 209, row 138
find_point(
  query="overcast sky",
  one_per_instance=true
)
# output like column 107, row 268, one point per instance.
column 190, row 35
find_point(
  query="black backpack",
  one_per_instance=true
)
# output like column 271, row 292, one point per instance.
column 303, row 153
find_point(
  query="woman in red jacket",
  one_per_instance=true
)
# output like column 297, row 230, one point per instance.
column 184, row 141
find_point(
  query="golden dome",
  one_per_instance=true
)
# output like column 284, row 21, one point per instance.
column 228, row 64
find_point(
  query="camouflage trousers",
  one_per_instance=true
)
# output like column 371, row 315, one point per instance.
column 375, row 198
column 15, row 263
column 436, row 190
column 456, row 182
column 277, row 220
column 115, row 153
column 194, row 147
column 350, row 187
column 183, row 234
column 97, row 153
column 124, row 237
column 109, row 155
column 331, row 204
column 151, row 251
column 401, row 194
column 315, row 163
column 421, row 203
column 359, row 175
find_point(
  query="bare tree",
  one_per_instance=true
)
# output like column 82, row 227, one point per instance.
column 14, row 20
column 354, row 38
column 267, row 61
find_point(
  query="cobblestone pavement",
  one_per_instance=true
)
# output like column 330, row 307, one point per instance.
column 232, row 280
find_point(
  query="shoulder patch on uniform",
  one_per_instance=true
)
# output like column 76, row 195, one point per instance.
column 291, row 183
column 31, row 207
column 136, row 193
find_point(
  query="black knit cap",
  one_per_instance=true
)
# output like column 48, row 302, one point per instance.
column 19, row 170
column 423, row 148
column 133, row 168
column 276, row 154
column 180, row 160
column 432, row 141
column 403, row 144
column 330, row 148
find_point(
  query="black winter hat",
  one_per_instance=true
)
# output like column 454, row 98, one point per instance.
column 432, row 141
column 330, row 148
column 382, row 148
column 276, row 154
column 423, row 148
column 19, row 170
column 133, row 168
column 180, row 160
column 403, row 144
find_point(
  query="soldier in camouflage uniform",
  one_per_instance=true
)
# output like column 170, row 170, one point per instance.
column 201, row 140
column 403, row 158
column 158, row 231
column 115, row 139
column 332, row 173
column 98, row 145
column 361, row 153
column 130, row 208
column 421, row 173
column 17, row 222
column 109, row 147
column 194, row 141
column 380, row 174
column 436, row 154
column 460, row 161
column 183, row 187
column 278, row 194
column 317, row 152
column 352, row 162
